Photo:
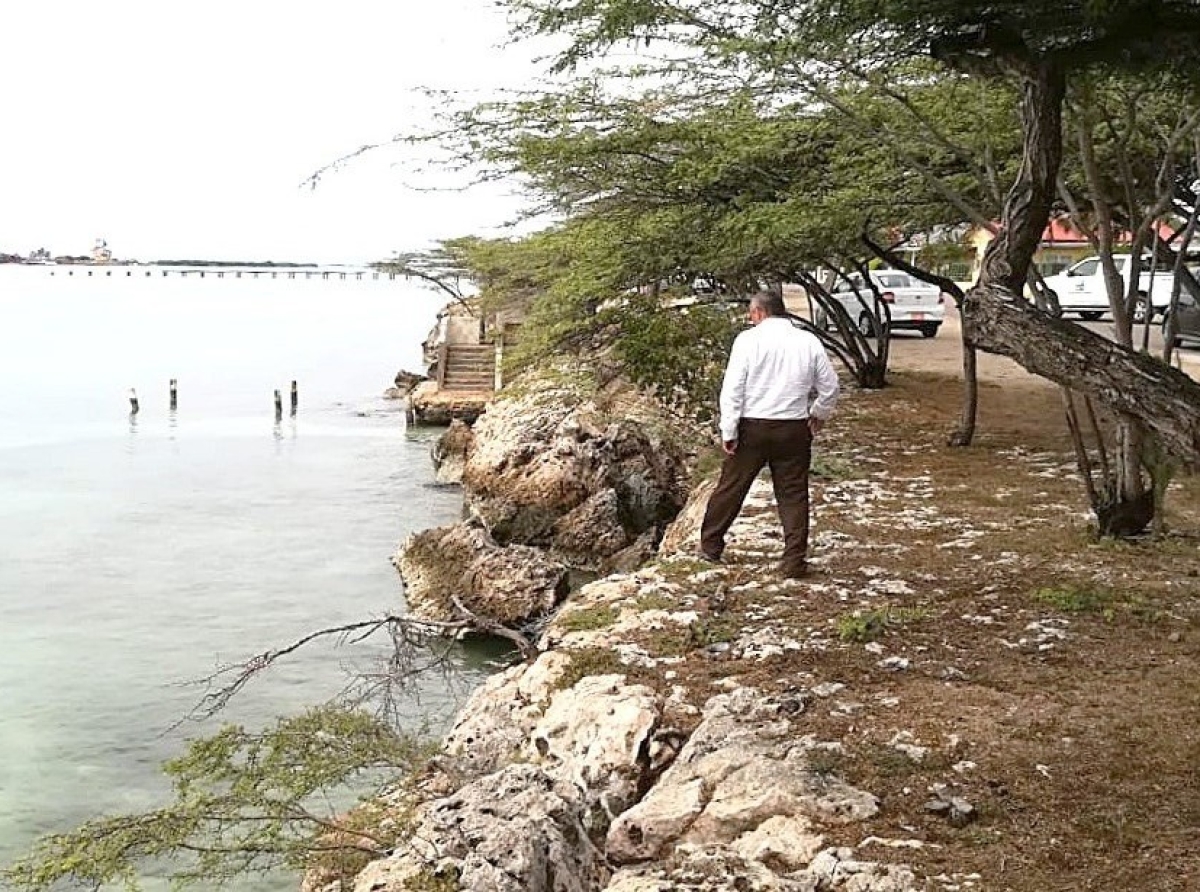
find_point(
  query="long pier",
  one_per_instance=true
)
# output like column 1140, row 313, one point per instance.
column 219, row 272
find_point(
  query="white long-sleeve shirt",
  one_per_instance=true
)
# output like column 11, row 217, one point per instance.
column 774, row 370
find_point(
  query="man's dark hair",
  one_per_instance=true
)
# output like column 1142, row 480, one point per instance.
column 771, row 304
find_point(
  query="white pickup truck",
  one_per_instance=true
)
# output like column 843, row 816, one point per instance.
column 1081, row 288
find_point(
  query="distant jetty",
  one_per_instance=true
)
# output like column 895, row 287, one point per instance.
column 85, row 260
column 201, row 269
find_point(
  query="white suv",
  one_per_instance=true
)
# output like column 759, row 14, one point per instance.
column 1081, row 288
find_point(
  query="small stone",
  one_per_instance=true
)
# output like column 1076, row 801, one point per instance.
column 827, row 688
column 893, row 664
column 846, row 707
column 961, row 812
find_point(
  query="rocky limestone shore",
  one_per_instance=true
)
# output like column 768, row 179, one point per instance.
column 551, row 483
column 593, row 768
column 946, row 704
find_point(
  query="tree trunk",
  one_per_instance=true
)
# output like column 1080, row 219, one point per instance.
column 1027, row 207
column 997, row 319
column 1163, row 399
column 965, row 432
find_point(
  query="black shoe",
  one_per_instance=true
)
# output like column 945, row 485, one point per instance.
column 798, row 571
column 706, row 558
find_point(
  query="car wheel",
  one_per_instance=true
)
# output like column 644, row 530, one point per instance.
column 1090, row 315
column 866, row 327
column 1142, row 311
column 1055, row 306
column 930, row 330
column 1166, row 331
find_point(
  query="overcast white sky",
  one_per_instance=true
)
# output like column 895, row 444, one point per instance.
column 185, row 130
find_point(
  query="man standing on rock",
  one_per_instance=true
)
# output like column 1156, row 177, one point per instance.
column 767, row 419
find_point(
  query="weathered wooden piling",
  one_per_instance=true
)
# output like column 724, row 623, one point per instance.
column 295, row 397
column 278, row 406
column 174, row 394
column 133, row 402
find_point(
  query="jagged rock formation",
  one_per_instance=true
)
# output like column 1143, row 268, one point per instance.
column 570, row 478
column 406, row 383
column 550, row 482
column 550, row 787
column 511, row 585
column 428, row 405
column 449, row 452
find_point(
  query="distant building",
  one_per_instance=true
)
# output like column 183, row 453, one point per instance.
column 101, row 252
column 1060, row 246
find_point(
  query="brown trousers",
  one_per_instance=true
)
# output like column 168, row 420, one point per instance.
column 784, row 446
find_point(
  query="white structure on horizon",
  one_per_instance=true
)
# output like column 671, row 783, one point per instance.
column 101, row 252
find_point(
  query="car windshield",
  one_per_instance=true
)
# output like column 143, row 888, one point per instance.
column 893, row 280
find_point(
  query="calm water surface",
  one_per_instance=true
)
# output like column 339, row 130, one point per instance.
column 139, row 553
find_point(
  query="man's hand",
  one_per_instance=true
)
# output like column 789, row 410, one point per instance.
column 729, row 446
column 815, row 424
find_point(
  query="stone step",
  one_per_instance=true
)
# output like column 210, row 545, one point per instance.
column 454, row 358
column 456, row 372
column 470, row 368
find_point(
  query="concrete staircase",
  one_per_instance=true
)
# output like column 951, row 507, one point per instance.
column 469, row 368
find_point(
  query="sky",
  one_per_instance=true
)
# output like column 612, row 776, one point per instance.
column 186, row 131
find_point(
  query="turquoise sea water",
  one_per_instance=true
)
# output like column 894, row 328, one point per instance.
column 137, row 554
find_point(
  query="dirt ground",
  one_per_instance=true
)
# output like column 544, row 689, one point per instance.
column 988, row 647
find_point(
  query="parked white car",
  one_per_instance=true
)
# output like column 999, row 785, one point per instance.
column 914, row 305
column 1081, row 288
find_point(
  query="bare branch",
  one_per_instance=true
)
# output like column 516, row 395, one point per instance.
column 409, row 636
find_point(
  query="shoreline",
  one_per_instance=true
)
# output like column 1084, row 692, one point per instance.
column 682, row 721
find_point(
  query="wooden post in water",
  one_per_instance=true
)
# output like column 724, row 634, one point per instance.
column 133, row 402
column 174, row 394
column 295, row 398
column 278, row 406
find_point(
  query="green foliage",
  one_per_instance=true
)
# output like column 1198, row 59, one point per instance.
column 830, row 467
column 429, row 881
column 708, row 464
column 586, row 662
column 1074, row 599
column 970, row 32
column 587, row 619
column 713, row 630
column 675, row 641
column 1105, row 602
column 862, row 626
column 678, row 355
column 242, row 803
column 655, row 601
column 826, row 761
column 680, row 567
